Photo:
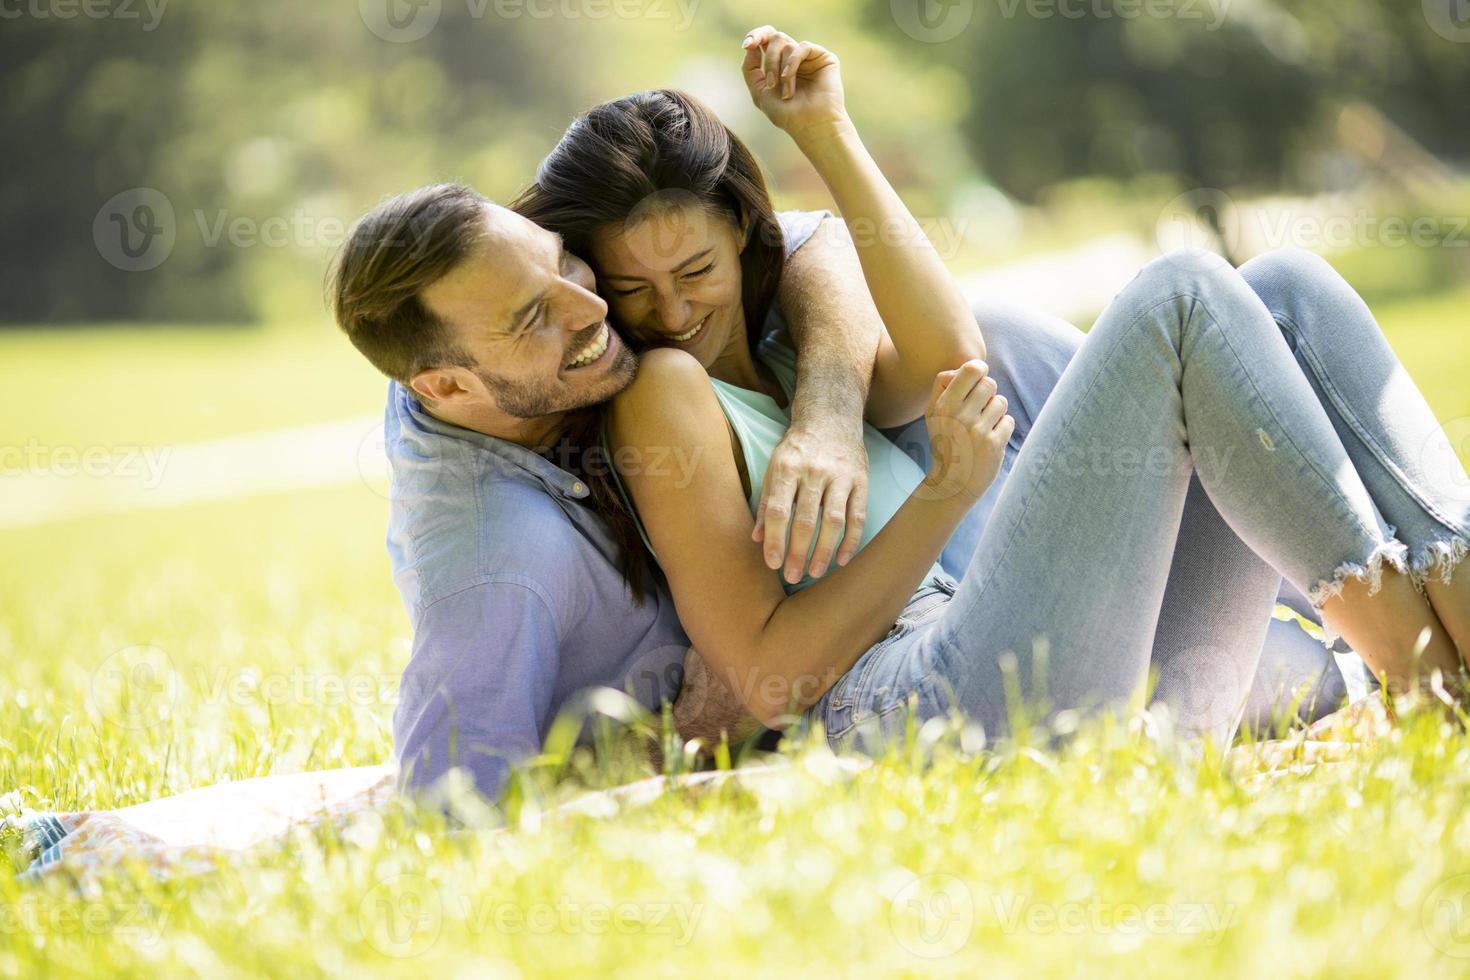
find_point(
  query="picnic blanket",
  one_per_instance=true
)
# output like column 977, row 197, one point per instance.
column 192, row 832
column 188, row 833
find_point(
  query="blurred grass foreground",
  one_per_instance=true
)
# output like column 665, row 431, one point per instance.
column 192, row 479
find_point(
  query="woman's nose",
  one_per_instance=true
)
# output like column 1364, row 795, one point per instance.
column 672, row 311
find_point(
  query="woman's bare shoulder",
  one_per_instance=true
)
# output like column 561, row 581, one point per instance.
column 670, row 394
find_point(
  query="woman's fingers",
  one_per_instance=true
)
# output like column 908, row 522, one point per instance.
column 778, row 49
column 992, row 413
column 760, row 35
column 774, row 58
column 966, row 378
column 750, row 66
column 790, row 65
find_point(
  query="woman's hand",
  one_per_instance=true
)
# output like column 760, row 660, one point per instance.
column 797, row 84
column 968, row 431
column 812, row 472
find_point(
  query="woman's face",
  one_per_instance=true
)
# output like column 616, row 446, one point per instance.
column 671, row 278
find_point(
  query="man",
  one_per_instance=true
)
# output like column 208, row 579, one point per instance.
column 497, row 345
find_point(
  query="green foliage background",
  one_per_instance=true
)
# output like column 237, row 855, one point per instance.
column 248, row 113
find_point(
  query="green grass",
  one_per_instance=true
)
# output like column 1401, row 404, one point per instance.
column 125, row 385
column 1113, row 857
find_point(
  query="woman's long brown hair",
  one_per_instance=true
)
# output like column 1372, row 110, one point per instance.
column 614, row 160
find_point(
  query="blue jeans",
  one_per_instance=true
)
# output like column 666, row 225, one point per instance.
column 1217, row 430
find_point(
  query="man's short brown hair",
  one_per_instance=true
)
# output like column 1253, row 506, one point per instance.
column 394, row 252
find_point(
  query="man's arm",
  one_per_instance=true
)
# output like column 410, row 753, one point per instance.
column 821, row 464
column 708, row 710
column 477, row 692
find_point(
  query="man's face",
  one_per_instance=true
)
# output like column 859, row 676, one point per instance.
column 525, row 309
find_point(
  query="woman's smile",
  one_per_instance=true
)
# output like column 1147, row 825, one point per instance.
column 688, row 337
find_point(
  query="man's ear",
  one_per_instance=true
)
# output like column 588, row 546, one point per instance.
column 442, row 385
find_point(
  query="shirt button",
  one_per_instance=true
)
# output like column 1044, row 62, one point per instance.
column 578, row 488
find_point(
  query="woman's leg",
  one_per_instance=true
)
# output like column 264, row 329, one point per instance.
column 1213, row 602
column 1297, row 680
column 1026, row 352
column 1390, row 433
column 1213, row 623
column 1185, row 371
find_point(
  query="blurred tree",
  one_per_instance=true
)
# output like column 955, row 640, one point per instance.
column 1219, row 93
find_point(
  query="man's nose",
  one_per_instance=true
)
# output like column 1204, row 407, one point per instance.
column 585, row 307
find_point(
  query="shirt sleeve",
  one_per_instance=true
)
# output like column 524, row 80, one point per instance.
column 478, row 691
column 798, row 226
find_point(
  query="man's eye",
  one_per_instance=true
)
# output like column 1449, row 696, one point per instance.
column 627, row 292
column 699, row 272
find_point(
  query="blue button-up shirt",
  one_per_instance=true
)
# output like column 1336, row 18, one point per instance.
column 512, row 586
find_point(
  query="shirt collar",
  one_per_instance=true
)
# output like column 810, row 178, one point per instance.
column 518, row 460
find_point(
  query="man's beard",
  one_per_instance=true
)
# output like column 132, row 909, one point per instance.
column 539, row 398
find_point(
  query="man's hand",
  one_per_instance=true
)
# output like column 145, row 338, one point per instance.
column 707, row 709
column 815, row 471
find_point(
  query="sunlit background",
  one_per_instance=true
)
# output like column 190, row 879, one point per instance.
column 184, row 164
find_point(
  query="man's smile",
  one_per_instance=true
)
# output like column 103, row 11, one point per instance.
column 592, row 351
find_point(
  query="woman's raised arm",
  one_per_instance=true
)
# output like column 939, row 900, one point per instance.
column 798, row 85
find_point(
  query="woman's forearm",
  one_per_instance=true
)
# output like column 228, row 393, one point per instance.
column 815, row 636
column 920, row 303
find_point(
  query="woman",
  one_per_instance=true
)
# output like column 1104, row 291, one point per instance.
column 1026, row 579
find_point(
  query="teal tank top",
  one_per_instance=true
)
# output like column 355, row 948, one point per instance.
column 760, row 423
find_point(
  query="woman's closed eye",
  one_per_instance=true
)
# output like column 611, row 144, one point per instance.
column 635, row 290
